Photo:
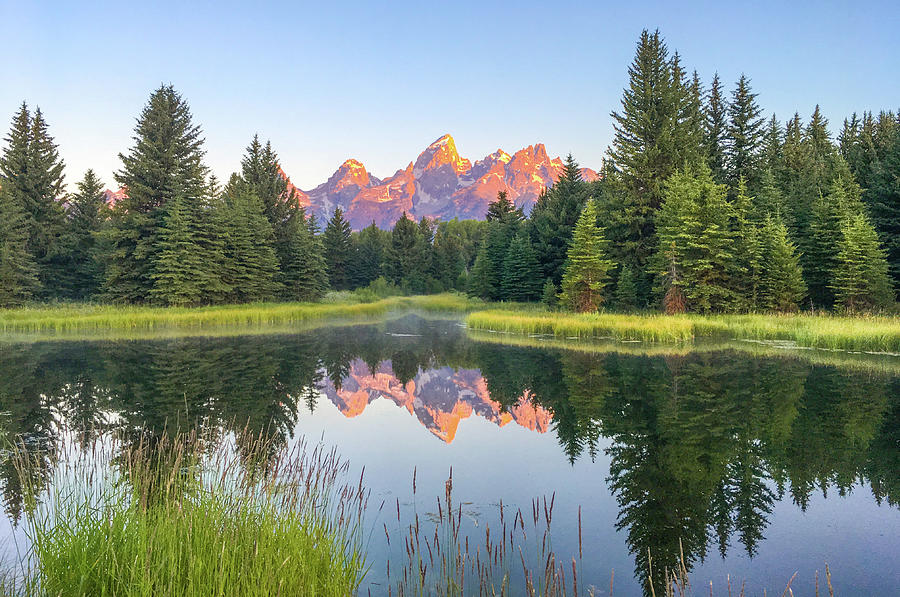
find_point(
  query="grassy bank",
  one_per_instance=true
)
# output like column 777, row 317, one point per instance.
column 877, row 334
column 86, row 318
column 149, row 521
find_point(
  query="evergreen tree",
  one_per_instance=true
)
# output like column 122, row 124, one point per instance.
column 502, row 209
column 716, row 129
column 262, row 171
column 425, row 256
column 482, row 281
column 830, row 213
column 33, row 173
column 86, row 211
column 883, row 197
column 772, row 146
column 647, row 148
column 250, row 261
column 338, row 250
column 782, row 285
column 549, row 295
column 745, row 134
column 368, row 252
column 176, row 260
column 303, row 274
column 554, row 216
column 18, row 270
column 626, row 291
column 165, row 164
column 521, row 271
column 748, row 264
column 403, row 258
column 861, row 278
column 696, row 259
column 587, row 267
column 450, row 256
column 768, row 199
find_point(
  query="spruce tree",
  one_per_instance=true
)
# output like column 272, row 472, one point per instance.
column 368, row 252
column 782, row 285
column 250, row 261
column 587, row 267
column 883, row 198
column 502, row 209
column 626, row 291
column 33, row 173
column 165, row 164
column 18, row 271
column 522, row 278
column 554, row 216
column 745, row 135
column 303, row 275
column 696, row 257
column 86, row 213
column 748, row 264
column 482, row 282
column 830, row 213
column 176, row 260
column 261, row 169
column 647, row 147
column 403, row 259
column 861, row 280
column 715, row 130
column 550, row 294
column 771, row 158
column 336, row 240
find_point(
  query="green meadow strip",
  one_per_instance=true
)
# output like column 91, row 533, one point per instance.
column 67, row 319
column 869, row 333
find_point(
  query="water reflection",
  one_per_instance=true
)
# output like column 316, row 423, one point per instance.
column 701, row 446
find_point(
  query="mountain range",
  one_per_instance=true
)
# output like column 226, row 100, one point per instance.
column 438, row 184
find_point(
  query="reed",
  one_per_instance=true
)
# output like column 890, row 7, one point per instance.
column 81, row 318
column 865, row 333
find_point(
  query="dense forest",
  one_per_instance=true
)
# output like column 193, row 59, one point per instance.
column 703, row 205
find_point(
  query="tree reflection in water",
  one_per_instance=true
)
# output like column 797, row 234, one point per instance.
column 701, row 445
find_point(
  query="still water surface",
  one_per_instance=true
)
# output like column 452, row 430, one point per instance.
column 762, row 466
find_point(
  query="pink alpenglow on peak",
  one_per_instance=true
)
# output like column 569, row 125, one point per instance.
column 439, row 184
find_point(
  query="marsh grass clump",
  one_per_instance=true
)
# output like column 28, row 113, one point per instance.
column 69, row 318
column 862, row 333
column 163, row 518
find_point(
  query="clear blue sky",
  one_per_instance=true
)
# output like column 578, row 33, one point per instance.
column 379, row 81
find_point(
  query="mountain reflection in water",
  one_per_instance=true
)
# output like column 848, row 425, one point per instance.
column 701, row 447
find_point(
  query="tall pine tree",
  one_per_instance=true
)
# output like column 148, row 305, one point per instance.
column 86, row 214
column 522, row 279
column 745, row 135
column 338, row 250
column 861, row 280
column 18, row 271
column 164, row 165
column 587, row 266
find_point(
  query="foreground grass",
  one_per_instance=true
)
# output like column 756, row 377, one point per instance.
column 877, row 334
column 88, row 318
column 152, row 530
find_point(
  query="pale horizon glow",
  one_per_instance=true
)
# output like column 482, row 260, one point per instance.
column 379, row 83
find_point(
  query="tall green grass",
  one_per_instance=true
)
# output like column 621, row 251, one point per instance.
column 152, row 521
column 66, row 319
column 881, row 334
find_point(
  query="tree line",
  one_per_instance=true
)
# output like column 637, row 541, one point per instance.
column 702, row 205
column 705, row 205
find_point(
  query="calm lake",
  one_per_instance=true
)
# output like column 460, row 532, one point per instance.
column 761, row 463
